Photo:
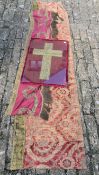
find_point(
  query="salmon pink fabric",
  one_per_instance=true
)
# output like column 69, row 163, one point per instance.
column 28, row 101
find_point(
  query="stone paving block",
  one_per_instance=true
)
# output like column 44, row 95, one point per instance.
column 1, row 46
column 1, row 8
column 11, row 44
column 17, row 51
column 87, row 52
column 19, row 32
column 83, row 35
column 28, row 4
column 2, row 157
column 86, row 144
column 97, row 105
column 78, row 48
column 1, row 23
column 57, row 172
column 2, row 84
column 26, row 172
column 11, row 73
column 96, row 59
column 4, row 33
column 8, row 92
column 3, row 141
column 41, row 172
column 71, row 172
column 86, row 96
column 21, row 3
column 89, row 170
column 8, row 14
column 12, row 33
column 84, row 172
column 96, row 34
column 24, row 19
column 11, row 3
column 92, row 39
column 82, row 70
column 0, row 63
column 17, row 16
column 9, row 145
column 1, row 52
column 92, row 74
column 96, row 164
column 76, row 14
column 75, row 31
column 92, row 131
column 23, row 42
column 6, row 60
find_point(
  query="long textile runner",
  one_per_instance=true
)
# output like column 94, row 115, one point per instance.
column 58, row 141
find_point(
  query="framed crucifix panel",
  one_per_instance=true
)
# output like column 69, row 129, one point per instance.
column 46, row 62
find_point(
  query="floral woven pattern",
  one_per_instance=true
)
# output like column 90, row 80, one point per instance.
column 57, row 142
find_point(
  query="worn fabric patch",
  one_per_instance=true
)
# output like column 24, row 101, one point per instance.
column 45, row 23
column 33, row 100
column 42, row 23
column 28, row 101
column 46, row 62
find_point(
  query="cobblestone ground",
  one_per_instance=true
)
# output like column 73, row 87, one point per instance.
column 84, row 21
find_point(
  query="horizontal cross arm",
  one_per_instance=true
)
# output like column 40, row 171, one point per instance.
column 56, row 53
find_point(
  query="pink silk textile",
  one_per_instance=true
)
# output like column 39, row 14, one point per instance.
column 28, row 101
column 42, row 24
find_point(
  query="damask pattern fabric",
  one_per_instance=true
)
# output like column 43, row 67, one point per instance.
column 48, row 134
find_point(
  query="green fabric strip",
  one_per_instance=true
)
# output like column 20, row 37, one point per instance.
column 18, row 143
column 35, row 5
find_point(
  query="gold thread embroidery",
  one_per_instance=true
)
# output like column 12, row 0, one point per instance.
column 29, row 92
column 47, row 54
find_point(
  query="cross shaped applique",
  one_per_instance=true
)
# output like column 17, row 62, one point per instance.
column 46, row 62
column 47, row 54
